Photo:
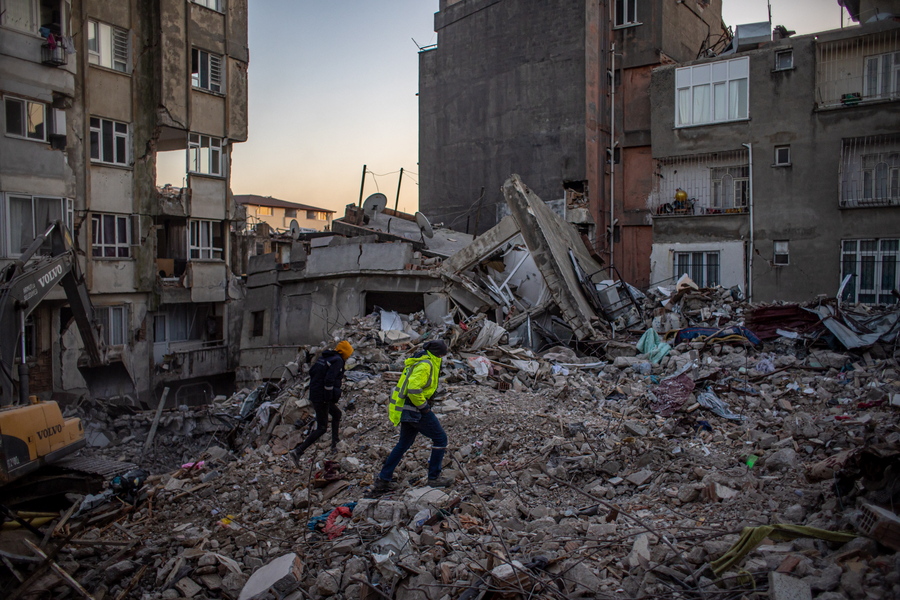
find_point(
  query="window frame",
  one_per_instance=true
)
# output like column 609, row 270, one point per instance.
column 701, row 86
column 705, row 266
column 108, row 46
column 219, row 4
column 205, row 249
column 116, row 136
column 739, row 187
column 264, row 211
column 882, row 91
column 782, row 163
column 66, row 208
column 781, row 248
column 628, row 18
column 195, row 155
column 215, row 72
column 105, row 315
column 101, row 245
column 874, row 255
column 25, row 104
column 789, row 52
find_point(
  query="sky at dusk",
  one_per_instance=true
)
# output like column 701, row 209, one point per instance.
column 333, row 87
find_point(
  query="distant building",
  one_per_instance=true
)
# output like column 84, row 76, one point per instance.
column 556, row 92
column 278, row 214
column 777, row 168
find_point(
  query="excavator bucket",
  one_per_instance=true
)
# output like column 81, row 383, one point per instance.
column 109, row 381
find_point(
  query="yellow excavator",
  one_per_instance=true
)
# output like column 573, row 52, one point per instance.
column 34, row 433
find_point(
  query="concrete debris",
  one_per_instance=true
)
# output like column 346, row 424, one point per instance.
column 581, row 468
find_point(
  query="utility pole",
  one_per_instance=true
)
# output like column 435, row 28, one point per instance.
column 399, row 181
column 362, row 184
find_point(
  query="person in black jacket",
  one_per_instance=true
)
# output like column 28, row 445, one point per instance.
column 325, row 377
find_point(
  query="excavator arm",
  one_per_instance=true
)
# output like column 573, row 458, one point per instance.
column 24, row 284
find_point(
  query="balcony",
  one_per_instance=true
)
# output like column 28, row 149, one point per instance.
column 870, row 171
column 858, row 70
column 708, row 184
column 190, row 359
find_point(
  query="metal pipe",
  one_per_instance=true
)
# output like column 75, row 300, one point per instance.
column 23, row 367
column 399, row 181
column 362, row 185
column 612, row 151
column 749, row 147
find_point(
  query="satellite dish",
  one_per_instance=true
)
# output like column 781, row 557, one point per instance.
column 424, row 226
column 295, row 229
column 374, row 204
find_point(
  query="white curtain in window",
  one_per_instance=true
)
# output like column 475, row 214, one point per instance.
column 684, row 106
column 21, row 223
column 701, row 104
column 737, row 99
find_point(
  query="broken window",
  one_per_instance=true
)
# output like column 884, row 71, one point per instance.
column 702, row 267
column 258, row 324
column 107, row 46
column 206, row 240
column 882, row 76
column 206, row 71
column 205, row 154
column 113, row 322
column 875, row 270
column 712, row 93
column 109, row 141
column 626, row 13
column 110, row 236
column 870, row 171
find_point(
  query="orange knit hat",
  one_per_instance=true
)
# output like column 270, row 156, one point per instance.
column 344, row 349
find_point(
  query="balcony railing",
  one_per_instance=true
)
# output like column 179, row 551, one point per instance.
column 54, row 56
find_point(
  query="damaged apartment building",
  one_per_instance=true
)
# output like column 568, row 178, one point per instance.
column 557, row 92
column 119, row 120
column 778, row 164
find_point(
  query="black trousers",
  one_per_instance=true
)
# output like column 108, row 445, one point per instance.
column 323, row 409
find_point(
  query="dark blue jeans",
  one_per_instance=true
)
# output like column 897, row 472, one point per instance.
column 430, row 427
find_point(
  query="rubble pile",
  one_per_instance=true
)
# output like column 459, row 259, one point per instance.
column 688, row 457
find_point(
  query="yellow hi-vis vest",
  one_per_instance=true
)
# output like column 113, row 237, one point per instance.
column 417, row 384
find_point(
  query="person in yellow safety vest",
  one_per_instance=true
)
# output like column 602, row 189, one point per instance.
column 410, row 410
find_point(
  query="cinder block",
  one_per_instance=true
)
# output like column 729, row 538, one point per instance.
column 785, row 587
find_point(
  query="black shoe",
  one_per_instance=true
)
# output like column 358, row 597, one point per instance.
column 381, row 486
column 440, row 482
column 295, row 456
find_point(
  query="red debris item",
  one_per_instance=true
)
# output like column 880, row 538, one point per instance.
column 842, row 417
column 332, row 529
column 671, row 394
column 870, row 404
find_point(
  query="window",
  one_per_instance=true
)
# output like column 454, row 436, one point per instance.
column 874, row 266
column 109, row 141
column 784, row 60
column 206, row 71
column 881, row 177
column 730, row 187
column 712, row 93
column 316, row 215
column 19, row 14
column 265, row 211
column 26, row 119
column 258, row 325
column 702, row 267
column 107, row 46
column 781, row 253
column 114, row 326
column 205, row 154
column 882, row 76
column 111, row 236
column 290, row 213
column 626, row 12
column 29, row 216
column 213, row 4
column 782, row 156
column 206, row 239
column 870, row 171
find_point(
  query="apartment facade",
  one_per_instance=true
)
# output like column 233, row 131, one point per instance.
column 279, row 214
column 777, row 169
column 557, row 92
column 146, row 90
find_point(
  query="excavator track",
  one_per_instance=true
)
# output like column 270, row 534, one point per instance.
column 75, row 475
